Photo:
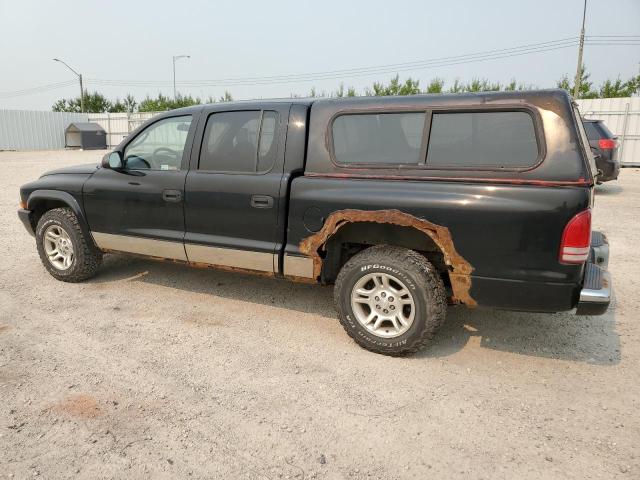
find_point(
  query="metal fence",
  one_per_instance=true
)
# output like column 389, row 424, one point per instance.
column 622, row 116
column 29, row 130
column 119, row 125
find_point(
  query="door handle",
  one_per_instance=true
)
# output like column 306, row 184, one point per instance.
column 174, row 196
column 261, row 201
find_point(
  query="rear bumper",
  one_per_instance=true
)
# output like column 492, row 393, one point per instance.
column 595, row 295
column 599, row 250
column 24, row 216
column 610, row 170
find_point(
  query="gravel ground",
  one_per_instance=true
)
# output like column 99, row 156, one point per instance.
column 158, row 370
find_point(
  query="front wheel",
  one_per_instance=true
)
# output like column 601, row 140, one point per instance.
column 63, row 248
column 390, row 300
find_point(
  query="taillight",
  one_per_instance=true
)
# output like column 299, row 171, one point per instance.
column 607, row 143
column 576, row 239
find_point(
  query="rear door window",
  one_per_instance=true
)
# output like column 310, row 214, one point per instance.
column 379, row 138
column 239, row 142
column 482, row 140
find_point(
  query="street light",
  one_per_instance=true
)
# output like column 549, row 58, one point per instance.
column 176, row 57
column 80, row 77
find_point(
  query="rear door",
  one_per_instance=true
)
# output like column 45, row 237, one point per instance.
column 233, row 188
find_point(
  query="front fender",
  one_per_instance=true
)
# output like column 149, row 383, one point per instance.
column 38, row 198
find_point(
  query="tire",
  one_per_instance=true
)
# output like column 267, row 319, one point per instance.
column 407, row 332
column 85, row 258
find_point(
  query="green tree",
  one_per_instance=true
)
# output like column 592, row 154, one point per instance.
column 128, row 105
column 457, row 87
column 226, row 97
column 618, row 88
column 483, row 85
column 162, row 103
column 511, row 86
column 341, row 92
column 585, row 90
column 395, row 87
column 158, row 104
column 633, row 85
column 435, row 86
column 93, row 103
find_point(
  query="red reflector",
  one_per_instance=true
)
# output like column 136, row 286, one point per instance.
column 607, row 143
column 576, row 239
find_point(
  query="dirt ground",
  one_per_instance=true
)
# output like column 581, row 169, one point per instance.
column 155, row 370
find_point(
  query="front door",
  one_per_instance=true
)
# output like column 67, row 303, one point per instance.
column 139, row 208
column 234, row 203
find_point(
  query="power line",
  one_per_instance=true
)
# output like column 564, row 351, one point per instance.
column 357, row 72
column 591, row 42
column 483, row 56
column 612, row 36
column 34, row 90
column 375, row 70
column 364, row 69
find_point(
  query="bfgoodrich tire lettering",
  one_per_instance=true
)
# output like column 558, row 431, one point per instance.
column 412, row 271
column 86, row 257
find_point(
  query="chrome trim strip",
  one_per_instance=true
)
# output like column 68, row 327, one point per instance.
column 298, row 266
column 230, row 257
column 140, row 245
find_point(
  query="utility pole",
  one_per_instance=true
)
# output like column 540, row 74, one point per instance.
column 176, row 57
column 81, row 94
column 80, row 78
column 576, row 88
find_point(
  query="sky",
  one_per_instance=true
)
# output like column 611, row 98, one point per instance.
column 133, row 41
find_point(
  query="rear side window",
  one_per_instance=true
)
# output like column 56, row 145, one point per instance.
column 385, row 138
column 601, row 129
column 605, row 130
column 482, row 140
column 239, row 142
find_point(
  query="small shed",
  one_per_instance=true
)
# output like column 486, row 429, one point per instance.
column 85, row 135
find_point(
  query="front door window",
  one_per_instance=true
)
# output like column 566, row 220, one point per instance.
column 160, row 146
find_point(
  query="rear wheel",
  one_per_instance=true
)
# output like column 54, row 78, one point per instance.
column 63, row 248
column 390, row 300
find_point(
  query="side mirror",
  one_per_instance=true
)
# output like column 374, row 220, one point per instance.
column 113, row 161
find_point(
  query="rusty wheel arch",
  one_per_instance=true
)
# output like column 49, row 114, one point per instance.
column 460, row 269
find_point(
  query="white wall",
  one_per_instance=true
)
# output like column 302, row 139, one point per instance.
column 119, row 125
column 30, row 130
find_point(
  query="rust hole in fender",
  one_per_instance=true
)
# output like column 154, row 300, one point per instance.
column 459, row 275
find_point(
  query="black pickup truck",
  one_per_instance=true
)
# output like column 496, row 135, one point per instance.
column 406, row 204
